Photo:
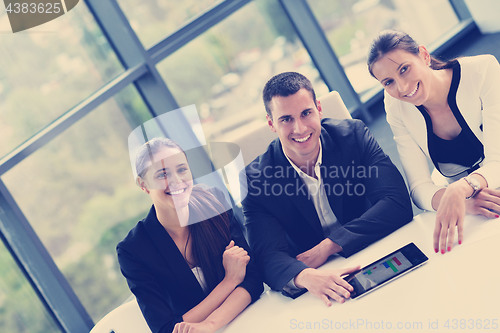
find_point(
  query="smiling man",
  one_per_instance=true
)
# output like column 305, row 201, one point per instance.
column 324, row 187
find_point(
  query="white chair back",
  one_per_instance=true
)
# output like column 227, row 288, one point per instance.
column 333, row 106
column 127, row 318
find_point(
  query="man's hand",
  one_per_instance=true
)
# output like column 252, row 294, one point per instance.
column 326, row 284
column 318, row 255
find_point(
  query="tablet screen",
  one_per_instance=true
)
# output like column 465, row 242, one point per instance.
column 385, row 269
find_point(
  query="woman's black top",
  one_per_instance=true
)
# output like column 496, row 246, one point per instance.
column 161, row 279
column 464, row 150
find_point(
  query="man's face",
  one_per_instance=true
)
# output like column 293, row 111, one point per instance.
column 297, row 121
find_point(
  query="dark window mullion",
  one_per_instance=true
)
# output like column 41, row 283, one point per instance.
column 194, row 28
column 322, row 54
column 461, row 9
column 39, row 268
column 69, row 118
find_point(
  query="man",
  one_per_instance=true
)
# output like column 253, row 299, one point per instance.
column 323, row 187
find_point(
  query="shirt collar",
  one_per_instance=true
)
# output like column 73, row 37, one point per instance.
column 319, row 160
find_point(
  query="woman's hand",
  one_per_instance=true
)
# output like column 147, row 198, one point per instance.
column 235, row 260
column 450, row 216
column 486, row 203
column 203, row 327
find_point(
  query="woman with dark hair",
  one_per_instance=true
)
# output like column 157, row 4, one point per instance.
column 187, row 261
column 448, row 113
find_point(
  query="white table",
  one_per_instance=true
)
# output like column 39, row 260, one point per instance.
column 455, row 292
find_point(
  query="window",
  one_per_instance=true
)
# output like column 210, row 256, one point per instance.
column 224, row 71
column 154, row 20
column 79, row 194
column 351, row 25
column 47, row 70
column 20, row 307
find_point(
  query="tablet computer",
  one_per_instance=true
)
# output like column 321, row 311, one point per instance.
column 385, row 269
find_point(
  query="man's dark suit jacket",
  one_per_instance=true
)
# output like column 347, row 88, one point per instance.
column 281, row 220
column 160, row 278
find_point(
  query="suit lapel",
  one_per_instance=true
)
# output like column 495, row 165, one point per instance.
column 171, row 255
column 331, row 171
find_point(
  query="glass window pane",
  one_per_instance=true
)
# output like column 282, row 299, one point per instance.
column 155, row 20
column 20, row 307
column 224, row 71
column 351, row 25
column 47, row 70
column 79, row 195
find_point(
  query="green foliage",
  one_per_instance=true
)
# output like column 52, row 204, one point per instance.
column 103, row 207
column 191, row 72
column 275, row 16
column 73, row 191
column 341, row 37
column 97, row 273
column 16, row 297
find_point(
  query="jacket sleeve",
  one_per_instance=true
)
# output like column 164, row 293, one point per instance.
column 414, row 160
column 385, row 190
column 154, row 306
column 267, row 238
column 489, row 94
column 253, row 279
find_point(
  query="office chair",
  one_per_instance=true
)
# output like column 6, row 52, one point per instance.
column 127, row 318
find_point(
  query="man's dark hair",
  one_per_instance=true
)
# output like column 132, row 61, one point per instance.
column 285, row 84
